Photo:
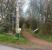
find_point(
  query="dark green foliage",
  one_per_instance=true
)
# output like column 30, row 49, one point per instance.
column 21, row 22
column 34, row 24
column 17, row 35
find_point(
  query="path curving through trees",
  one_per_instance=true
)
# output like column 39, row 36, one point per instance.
column 34, row 40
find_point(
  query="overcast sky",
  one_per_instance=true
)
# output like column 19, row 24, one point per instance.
column 26, row 5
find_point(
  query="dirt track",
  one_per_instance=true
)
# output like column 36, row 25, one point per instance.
column 34, row 40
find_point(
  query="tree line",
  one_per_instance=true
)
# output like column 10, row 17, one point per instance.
column 39, row 15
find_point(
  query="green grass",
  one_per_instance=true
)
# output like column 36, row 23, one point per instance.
column 12, row 39
column 47, row 37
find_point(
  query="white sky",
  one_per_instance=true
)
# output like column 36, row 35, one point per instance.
column 26, row 5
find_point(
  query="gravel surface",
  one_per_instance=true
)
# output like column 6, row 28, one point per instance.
column 2, row 47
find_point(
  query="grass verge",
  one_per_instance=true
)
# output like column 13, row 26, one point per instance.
column 12, row 39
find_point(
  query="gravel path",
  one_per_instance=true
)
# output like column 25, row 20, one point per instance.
column 3, row 47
